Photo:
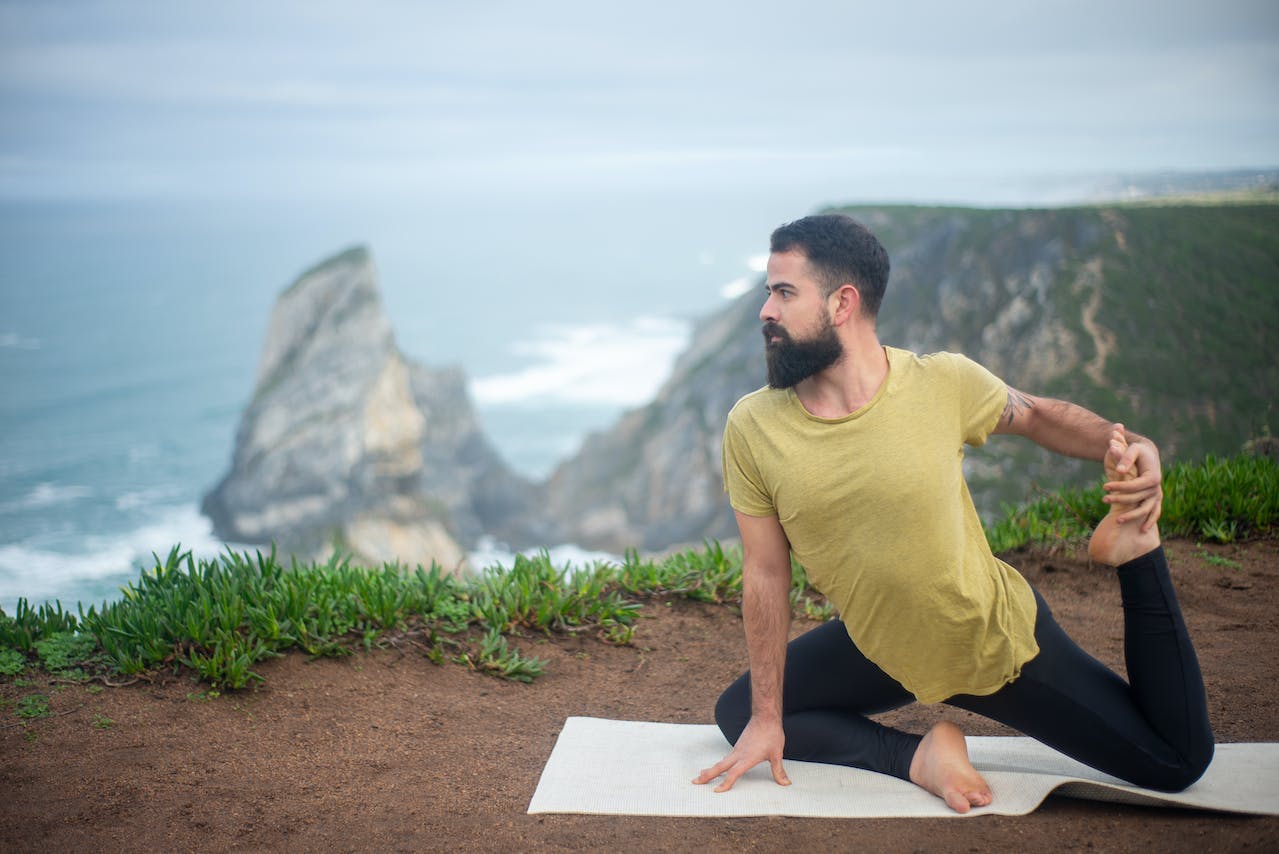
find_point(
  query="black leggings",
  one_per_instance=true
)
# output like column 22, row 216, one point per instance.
column 1152, row 731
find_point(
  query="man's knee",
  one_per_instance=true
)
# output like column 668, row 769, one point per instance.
column 1183, row 775
column 1193, row 769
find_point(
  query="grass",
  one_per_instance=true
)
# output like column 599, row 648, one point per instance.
column 220, row 618
column 1219, row 500
column 1218, row 560
column 33, row 706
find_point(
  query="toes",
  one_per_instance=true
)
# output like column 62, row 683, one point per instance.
column 957, row 802
column 979, row 798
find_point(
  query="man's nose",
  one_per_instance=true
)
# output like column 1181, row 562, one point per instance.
column 768, row 312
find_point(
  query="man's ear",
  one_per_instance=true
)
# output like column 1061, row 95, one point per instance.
column 847, row 303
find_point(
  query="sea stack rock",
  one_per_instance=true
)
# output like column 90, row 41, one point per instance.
column 330, row 451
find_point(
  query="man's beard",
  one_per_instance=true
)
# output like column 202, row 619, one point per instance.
column 790, row 362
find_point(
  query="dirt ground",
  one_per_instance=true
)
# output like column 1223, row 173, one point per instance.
column 388, row 752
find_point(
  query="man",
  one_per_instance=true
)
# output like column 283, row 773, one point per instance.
column 851, row 459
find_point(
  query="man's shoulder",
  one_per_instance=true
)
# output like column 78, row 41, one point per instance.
column 761, row 398
column 940, row 361
column 762, row 403
column 936, row 359
column 945, row 376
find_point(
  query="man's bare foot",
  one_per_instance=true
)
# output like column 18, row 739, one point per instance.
column 941, row 766
column 1114, row 543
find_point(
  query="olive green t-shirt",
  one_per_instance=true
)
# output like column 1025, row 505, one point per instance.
column 876, row 509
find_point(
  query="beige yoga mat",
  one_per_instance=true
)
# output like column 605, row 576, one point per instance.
column 608, row 767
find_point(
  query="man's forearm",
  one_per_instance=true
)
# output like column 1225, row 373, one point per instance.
column 766, row 614
column 1068, row 429
column 1060, row 426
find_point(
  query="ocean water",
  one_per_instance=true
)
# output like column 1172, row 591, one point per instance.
column 130, row 335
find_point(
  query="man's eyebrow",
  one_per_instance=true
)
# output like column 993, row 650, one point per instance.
column 777, row 286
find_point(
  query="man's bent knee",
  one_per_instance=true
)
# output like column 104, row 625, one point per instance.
column 1193, row 770
column 1180, row 777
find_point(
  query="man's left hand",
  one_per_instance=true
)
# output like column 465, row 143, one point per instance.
column 1142, row 496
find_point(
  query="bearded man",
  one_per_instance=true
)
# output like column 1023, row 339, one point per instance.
column 851, row 460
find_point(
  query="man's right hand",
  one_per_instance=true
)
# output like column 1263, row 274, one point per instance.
column 759, row 742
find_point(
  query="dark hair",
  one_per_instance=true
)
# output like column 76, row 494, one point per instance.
column 841, row 250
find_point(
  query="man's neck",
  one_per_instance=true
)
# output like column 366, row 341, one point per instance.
column 850, row 383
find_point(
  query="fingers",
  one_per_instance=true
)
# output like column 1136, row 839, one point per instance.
column 1128, row 457
column 1153, row 513
column 1141, row 498
column 1147, row 508
column 779, row 773
column 1129, row 492
column 714, row 771
column 731, row 777
column 1118, row 444
column 1140, row 492
column 740, row 768
column 1144, row 511
column 733, row 768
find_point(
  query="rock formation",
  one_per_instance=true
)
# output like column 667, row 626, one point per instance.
column 348, row 445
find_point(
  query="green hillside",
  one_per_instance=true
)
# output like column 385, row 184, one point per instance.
column 1156, row 315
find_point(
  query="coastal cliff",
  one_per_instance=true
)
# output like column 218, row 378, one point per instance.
column 347, row 444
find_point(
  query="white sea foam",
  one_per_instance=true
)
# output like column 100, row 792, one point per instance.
column 756, row 264
column 104, row 565
column 622, row 365
column 40, row 573
column 489, row 553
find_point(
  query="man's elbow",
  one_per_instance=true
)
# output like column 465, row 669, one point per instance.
column 1023, row 420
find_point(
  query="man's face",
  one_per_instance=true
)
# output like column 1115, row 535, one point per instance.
column 799, row 337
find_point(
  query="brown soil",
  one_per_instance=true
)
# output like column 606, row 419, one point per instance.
column 389, row 752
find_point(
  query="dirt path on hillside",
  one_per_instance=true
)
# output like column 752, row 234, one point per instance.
column 388, row 752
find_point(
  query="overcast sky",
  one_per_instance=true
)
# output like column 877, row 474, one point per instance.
column 281, row 98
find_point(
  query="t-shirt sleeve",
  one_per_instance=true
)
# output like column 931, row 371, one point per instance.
column 982, row 396
column 742, row 480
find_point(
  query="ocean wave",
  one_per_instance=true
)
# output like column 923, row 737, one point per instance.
column 103, row 564
column 622, row 365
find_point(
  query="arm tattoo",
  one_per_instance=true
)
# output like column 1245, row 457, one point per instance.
column 1017, row 403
